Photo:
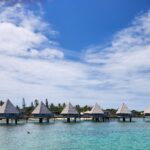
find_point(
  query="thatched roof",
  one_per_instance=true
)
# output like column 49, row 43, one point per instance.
column 69, row 109
column 41, row 109
column 8, row 108
column 96, row 110
column 147, row 110
column 123, row 109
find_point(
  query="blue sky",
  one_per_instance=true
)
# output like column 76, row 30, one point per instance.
column 86, row 22
column 78, row 51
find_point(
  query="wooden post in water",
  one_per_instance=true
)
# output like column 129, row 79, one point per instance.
column 75, row 119
column 15, row 121
column 103, row 119
column 97, row 119
column 7, row 120
column 130, row 119
column 26, row 119
column 47, row 120
column 68, row 119
column 124, row 119
column 108, row 118
column 40, row 120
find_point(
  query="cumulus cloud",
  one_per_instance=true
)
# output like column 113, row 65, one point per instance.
column 22, row 34
column 32, row 65
column 125, row 64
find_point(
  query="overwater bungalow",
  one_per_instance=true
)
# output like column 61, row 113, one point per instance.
column 86, row 114
column 97, row 113
column 70, row 112
column 123, row 112
column 42, row 112
column 9, row 111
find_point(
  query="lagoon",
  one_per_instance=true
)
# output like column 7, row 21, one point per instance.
column 84, row 135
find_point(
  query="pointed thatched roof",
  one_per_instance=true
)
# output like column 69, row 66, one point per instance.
column 123, row 109
column 8, row 108
column 147, row 110
column 69, row 109
column 41, row 109
column 96, row 110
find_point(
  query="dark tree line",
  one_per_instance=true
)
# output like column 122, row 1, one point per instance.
column 55, row 108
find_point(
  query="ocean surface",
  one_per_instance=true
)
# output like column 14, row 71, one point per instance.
column 84, row 135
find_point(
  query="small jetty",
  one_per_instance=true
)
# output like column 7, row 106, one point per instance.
column 97, row 113
column 70, row 112
column 123, row 112
column 42, row 112
column 9, row 111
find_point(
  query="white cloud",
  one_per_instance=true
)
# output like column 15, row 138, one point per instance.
column 34, row 66
column 31, row 64
column 22, row 34
column 125, row 63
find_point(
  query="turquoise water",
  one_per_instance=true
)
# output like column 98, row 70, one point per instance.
column 85, row 135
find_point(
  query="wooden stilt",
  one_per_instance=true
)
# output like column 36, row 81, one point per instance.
column 97, row 119
column 16, row 121
column 47, row 120
column 68, row 119
column 103, row 119
column 75, row 119
column 124, row 119
column 130, row 119
column 40, row 120
column 26, row 120
column 7, row 120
